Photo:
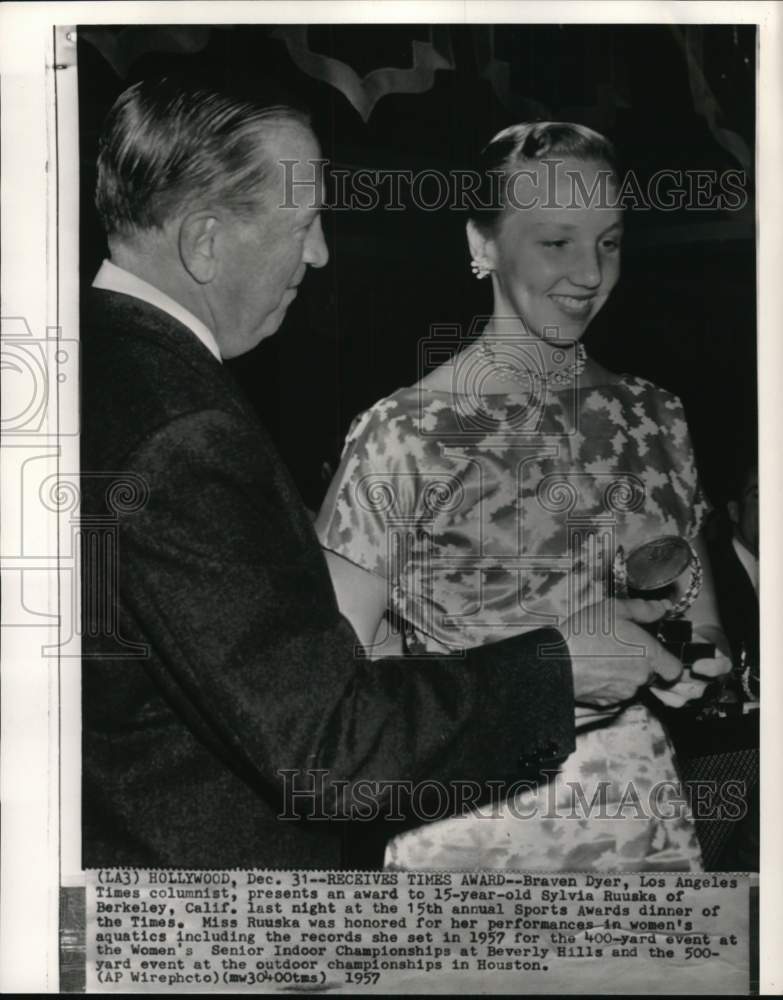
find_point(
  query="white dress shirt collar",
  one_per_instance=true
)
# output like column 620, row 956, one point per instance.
column 111, row 278
column 749, row 562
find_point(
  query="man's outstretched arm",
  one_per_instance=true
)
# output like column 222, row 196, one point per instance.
column 222, row 572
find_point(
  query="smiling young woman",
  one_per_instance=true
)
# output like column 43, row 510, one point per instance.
column 495, row 494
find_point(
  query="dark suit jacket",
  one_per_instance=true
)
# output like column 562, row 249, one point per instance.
column 247, row 666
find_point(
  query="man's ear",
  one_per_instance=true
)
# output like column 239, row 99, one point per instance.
column 482, row 248
column 198, row 245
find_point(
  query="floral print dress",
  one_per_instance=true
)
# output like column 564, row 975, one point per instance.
column 496, row 515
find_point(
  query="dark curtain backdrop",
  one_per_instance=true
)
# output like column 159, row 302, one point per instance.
column 669, row 97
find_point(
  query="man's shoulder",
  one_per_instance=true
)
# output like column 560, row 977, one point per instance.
column 142, row 370
column 118, row 330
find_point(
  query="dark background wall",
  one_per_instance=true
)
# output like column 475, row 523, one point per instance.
column 669, row 97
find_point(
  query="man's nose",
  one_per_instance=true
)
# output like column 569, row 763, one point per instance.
column 316, row 252
column 586, row 270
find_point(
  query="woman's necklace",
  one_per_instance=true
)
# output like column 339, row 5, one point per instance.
column 525, row 376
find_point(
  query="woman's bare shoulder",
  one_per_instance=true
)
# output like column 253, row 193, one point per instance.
column 440, row 379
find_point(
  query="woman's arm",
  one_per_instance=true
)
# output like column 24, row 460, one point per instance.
column 363, row 597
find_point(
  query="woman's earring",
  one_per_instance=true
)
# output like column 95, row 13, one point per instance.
column 479, row 269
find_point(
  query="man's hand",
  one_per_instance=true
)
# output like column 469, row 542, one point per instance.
column 612, row 657
column 695, row 679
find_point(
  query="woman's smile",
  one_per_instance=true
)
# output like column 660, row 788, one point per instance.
column 574, row 306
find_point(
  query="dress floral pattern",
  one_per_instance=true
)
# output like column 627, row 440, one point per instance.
column 494, row 515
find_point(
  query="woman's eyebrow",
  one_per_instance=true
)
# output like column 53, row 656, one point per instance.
column 570, row 226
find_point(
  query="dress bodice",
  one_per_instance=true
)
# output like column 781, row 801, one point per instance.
column 491, row 517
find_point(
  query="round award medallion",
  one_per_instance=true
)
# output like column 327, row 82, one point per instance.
column 657, row 563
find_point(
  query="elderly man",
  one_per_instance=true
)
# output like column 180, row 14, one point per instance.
column 246, row 700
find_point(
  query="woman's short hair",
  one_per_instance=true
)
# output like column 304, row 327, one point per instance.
column 516, row 145
column 168, row 143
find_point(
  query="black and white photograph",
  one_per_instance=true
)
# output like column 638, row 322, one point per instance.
column 393, row 432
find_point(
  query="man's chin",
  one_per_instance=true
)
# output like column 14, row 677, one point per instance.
column 249, row 342
column 273, row 322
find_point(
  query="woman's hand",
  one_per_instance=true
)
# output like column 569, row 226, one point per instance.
column 612, row 656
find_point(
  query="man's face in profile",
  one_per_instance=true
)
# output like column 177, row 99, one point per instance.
column 264, row 256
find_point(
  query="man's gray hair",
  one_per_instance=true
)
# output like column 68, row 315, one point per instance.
column 167, row 144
